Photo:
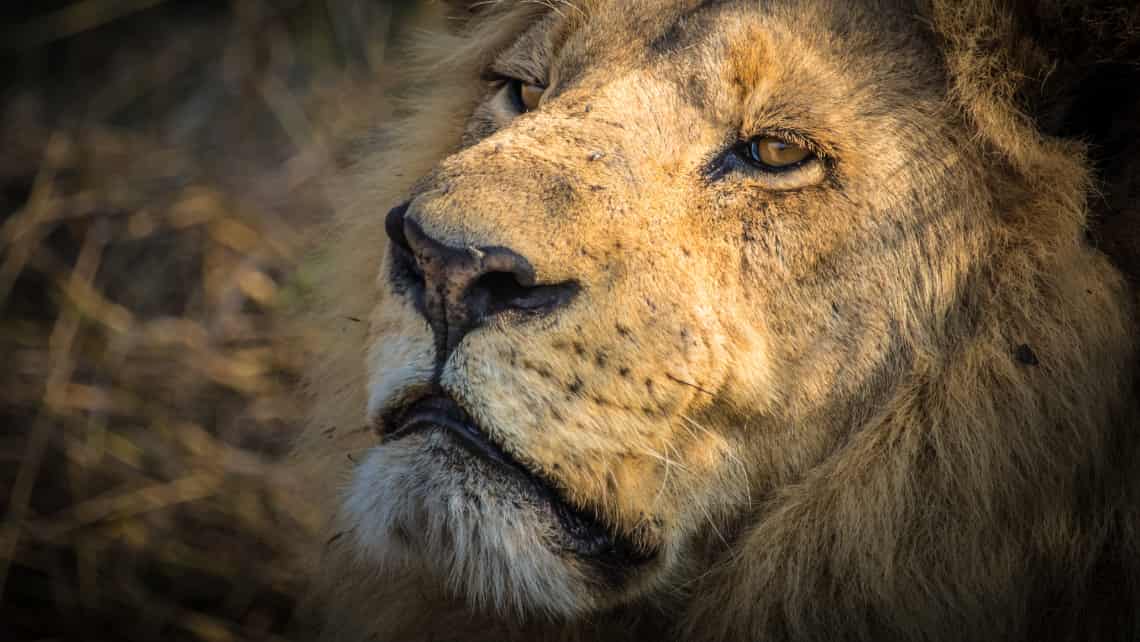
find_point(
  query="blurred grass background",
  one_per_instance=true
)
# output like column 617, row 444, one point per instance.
column 160, row 177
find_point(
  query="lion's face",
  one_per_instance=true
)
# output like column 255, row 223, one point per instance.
column 659, row 279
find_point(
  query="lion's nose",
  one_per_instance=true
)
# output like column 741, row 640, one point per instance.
column 457, row 289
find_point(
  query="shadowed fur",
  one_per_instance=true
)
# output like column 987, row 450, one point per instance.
column 887, row 393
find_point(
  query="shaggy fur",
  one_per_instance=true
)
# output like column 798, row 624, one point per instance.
column 889, row 395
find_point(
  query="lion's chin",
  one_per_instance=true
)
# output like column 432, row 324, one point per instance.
column 425, row 503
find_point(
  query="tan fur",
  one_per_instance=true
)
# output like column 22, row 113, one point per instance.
column 888, row 396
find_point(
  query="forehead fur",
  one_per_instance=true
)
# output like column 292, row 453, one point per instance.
column 797, row 66
column 830, row 59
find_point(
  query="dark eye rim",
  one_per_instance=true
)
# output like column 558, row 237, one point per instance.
column 743, row 151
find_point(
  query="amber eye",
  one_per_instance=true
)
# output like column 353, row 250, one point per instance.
column 525, row 96
column 774, row 154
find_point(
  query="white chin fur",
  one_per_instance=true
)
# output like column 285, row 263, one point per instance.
column 406, row 508
column 386, row 382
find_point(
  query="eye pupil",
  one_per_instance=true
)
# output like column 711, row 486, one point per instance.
column 774, row 154
column 526, row 95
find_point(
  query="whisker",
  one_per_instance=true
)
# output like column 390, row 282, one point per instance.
column 689, row 384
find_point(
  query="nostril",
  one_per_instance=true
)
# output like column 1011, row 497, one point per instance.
column 543, row 298
column 497, row 292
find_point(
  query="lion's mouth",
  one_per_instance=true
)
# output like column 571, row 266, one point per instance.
column 585, row 535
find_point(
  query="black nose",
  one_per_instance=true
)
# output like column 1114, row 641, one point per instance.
column 457, row 289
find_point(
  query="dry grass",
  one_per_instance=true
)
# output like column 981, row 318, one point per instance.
column 155, row 207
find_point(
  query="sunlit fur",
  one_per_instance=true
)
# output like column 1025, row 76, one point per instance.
column 889, row 397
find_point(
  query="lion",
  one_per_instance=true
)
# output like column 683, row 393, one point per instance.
column 790, row 320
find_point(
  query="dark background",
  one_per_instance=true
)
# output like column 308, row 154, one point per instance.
column 160, row 182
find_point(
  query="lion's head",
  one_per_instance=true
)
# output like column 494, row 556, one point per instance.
column 777, row 316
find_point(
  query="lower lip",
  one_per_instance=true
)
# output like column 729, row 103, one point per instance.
column 467, row 435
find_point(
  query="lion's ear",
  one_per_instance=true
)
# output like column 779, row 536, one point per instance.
column 1050, row 82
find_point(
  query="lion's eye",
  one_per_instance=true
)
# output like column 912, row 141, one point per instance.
column 525, row 95
column 770, row 153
